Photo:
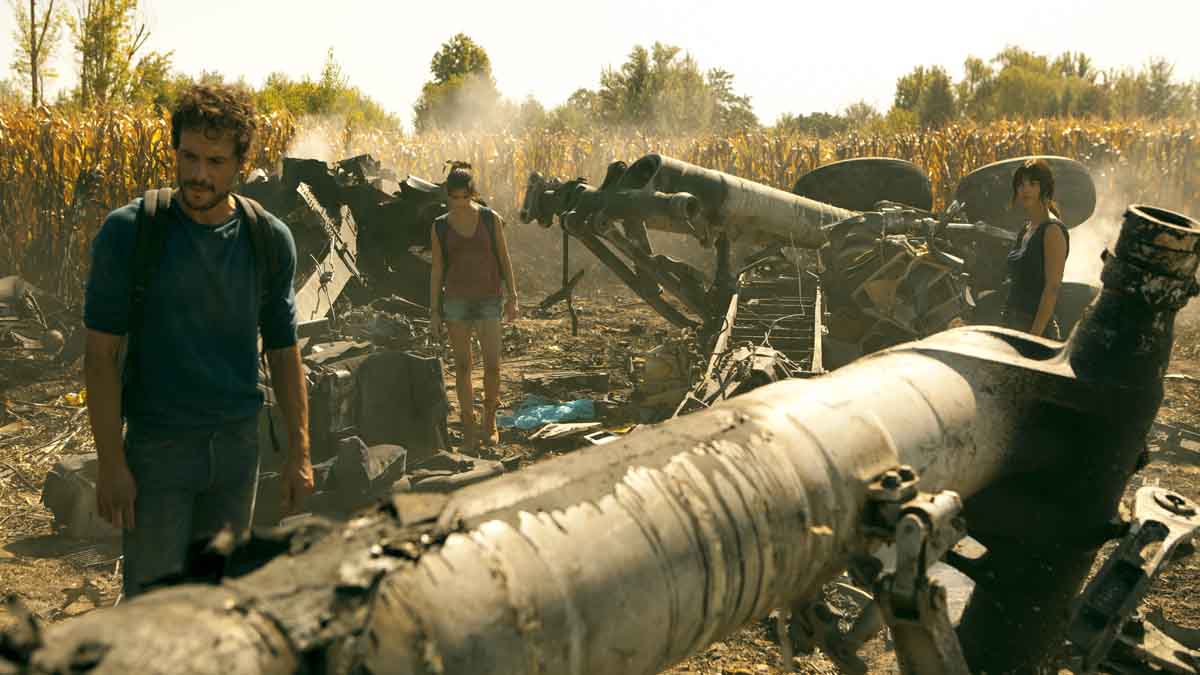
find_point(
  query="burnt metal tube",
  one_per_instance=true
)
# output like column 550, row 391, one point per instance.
column 659, row 211
column 627, row 557
column 1043, row 526
column 735, row 203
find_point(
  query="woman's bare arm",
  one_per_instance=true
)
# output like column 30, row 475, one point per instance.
column 505, row 261
column 437, row 271
column 1054, row 252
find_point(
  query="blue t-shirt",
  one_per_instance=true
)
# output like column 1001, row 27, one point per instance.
column 198, row 354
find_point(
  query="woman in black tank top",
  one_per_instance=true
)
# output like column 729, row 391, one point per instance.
column 1039, row 256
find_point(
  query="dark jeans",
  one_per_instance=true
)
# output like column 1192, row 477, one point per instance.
column 190, row 485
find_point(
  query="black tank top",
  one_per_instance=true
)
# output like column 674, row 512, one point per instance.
column 1027, row 268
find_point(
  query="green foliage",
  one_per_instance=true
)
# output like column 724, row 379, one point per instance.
column 458, row 56
column 37, row 34
column 663, row 90
column 462, row 93
column 107, row 38
column 580, row 113
column 861, row 114
column 330, row 95
column 1021, row 85
column 909, row 88
column 152, row 81
column 819, row 124
column 936, row 104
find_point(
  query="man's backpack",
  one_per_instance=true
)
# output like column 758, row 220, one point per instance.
column 152, row 223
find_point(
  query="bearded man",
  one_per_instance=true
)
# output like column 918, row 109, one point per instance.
column 186, row 465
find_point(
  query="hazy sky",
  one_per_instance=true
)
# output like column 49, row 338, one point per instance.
column 787, row 56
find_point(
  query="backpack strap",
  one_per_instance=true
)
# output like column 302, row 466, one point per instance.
column 441, row 225
column 489, row 221
column 150, row 241
column 265, row 254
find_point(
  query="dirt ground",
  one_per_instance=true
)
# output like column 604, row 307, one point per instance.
column 59, row 578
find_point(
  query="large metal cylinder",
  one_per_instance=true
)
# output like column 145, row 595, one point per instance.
column 734, row 203
column 1044, row 524
column 627, row 557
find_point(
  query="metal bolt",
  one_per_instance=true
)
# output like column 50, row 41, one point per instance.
column 907, row 474
column 1175, row 503
column 891, row 480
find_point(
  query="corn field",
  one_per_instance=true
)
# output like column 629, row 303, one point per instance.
column 61, row 173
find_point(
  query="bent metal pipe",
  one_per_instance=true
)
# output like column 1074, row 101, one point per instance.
column 627, row 557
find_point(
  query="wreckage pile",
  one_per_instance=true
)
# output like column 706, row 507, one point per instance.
column 711, row 521
column 35, row 329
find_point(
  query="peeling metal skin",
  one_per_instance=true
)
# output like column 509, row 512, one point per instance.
column 692, row 529
column 627, row 557
column 234, row 641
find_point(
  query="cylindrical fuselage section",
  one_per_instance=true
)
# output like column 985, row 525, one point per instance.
column 628, row 557
column 735, row 203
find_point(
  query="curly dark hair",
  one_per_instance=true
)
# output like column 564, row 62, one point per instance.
column 214, row 109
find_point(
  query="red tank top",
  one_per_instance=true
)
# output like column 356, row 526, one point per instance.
column 474, row 270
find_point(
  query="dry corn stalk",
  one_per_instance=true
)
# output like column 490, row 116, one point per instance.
column 61, row 172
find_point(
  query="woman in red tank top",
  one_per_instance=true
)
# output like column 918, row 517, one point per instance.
column 471, row 269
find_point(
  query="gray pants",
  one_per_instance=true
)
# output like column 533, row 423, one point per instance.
column 190, row 485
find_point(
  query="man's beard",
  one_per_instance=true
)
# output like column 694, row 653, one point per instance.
column 218, row 197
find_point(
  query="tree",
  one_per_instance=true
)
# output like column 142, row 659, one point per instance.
column 861, row 114
column 733, row 111
column 975, row 90
column 108, row 36
column 460, row 55
column 819, row 124
column 331, row 94
column 664, row 90
column 909, row 88
column 928, row 93
column 531, row 115
column 106, row 42
column 151, row 80
column 462, row 93
column 580, row 113
column 37, row 36
column 1158, row 95
column 936, row 105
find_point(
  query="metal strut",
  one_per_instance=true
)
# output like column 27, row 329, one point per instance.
column 924, row 527
column 1105, row 629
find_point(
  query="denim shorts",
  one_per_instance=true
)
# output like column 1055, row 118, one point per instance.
column 472, row 309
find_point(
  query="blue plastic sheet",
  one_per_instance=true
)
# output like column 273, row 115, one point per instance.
column 536, row 411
